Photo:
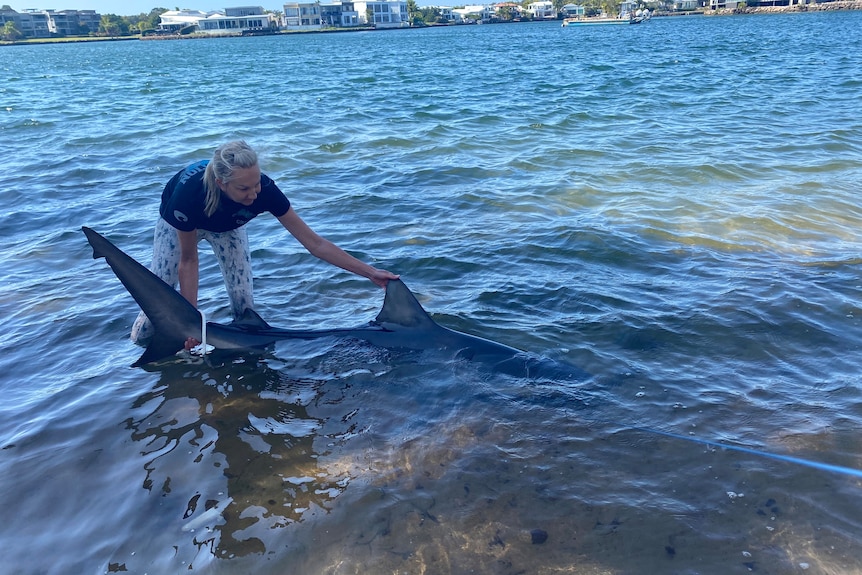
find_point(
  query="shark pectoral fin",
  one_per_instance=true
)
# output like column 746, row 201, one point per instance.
column 159, row 348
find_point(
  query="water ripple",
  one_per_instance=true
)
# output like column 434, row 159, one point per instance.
column 671, row 207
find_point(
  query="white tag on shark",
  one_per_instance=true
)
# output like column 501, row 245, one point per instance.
column 202, row 348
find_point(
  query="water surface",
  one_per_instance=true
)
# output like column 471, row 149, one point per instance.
column 671, row 207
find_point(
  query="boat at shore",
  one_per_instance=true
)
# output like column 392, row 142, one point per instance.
column 627, row 15
column 603, row 21
column 594, row 21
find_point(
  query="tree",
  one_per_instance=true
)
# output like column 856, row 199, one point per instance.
column 412, row 10
column 10, row 33
column 593, row 7
column 428, row 14
column 113, row 25
column 148, row 21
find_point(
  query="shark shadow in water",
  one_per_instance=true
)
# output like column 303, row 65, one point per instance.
column 401, row 324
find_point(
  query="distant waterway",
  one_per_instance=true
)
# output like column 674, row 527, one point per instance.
column 671, row 207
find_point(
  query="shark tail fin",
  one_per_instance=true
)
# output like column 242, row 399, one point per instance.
column 96, row 242
column 173, row 317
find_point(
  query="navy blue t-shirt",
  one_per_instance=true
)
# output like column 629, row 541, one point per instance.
column 184, row 200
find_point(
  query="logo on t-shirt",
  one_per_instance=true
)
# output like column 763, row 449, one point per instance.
column 181, row 217
column 244, row 216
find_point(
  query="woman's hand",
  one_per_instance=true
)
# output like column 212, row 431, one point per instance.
column 382, row 277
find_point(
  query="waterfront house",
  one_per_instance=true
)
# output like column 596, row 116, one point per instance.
column 240, row 20
column 573, row 11
column 383, row 13
column 339, row 14
column 723, row 4
column 686, row 5
column 479, row 12
column 543, row 10
column 173, row 21
column 315, row 15
column 506, row 11
column 299, row 15
column 232, row 21
column 447, row 14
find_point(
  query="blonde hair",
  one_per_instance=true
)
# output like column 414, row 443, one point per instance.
column 227, row 158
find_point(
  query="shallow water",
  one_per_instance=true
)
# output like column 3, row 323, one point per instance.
column 670, row 207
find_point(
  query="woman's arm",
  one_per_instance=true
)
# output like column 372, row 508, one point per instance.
column 188, row 270
column 329, row 252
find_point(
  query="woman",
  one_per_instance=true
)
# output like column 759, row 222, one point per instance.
column 213, row 200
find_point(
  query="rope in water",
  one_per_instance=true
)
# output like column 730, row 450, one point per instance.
column 798, row 460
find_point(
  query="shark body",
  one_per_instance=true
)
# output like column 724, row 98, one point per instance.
column 401, row 324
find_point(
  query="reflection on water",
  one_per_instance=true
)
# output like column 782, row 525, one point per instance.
column 231, row 446
column 681, row 224
column 258, row 464
column 216, row 419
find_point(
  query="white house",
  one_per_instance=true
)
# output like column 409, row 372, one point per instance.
column 377, row 13
column 684, row 5
column 447, row 13
column 232, row 21
column 484, row 13
column 723, row 4
column 573, row 11
column 176, row 20
column 543, row 10
column 237, row 20
column 383, row 13
column 299, row 15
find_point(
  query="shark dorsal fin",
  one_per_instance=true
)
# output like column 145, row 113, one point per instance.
column 251, row 320
column 400, row 307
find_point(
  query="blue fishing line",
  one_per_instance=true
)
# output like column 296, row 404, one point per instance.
column 815, row 464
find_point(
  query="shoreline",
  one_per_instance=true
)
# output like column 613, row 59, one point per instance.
column 837, row 5
column 72, row 40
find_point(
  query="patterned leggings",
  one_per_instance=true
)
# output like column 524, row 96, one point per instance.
column 234, row 257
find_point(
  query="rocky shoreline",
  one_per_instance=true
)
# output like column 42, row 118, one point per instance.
column 819, row 7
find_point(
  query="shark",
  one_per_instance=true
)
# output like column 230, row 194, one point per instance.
column 402, row 323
